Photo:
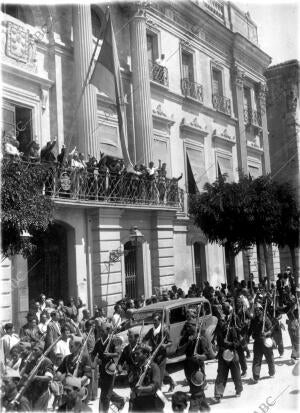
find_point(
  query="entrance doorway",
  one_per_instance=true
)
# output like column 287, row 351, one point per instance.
column 48, row 266
column 199, row 263
column 230, row 265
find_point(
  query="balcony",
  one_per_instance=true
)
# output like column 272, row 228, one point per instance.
column 215, row 7
column 95, row 188
column 192, row 89
column 252, row 117
column 159, row 74
column 221, row 104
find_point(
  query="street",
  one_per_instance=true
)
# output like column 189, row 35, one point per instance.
column 278, row 394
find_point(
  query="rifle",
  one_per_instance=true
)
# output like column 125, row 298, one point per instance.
column 199, row 326
column 148, row 362
column 82, row 352
column 33, row 373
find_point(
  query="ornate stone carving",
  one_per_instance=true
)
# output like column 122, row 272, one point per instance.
column 159, row 111
column 262, row 94
column 238, row 75
column 17, row 43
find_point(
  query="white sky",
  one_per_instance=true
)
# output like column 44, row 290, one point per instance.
column 278, row 26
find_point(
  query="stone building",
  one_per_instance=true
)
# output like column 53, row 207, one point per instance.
column 195, row 99
column 283, row 124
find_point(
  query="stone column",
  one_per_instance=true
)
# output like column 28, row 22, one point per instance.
column 83, row 49
column 141, row 88
column 238, row 101
column 262, row 91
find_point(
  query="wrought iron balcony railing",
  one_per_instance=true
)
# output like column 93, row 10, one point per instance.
column 216, row 7
column 158, row 73
column 103, row 187
column 192, row 89
column 221, row 104
column 252, row 117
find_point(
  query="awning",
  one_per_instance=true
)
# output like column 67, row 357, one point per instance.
column 196, row 160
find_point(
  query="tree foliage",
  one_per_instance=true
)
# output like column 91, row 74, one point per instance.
column 251, row 211
column 23, row 205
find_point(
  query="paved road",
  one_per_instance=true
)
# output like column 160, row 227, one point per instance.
column 279, row 394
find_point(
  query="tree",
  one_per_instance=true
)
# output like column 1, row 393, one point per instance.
column 24, row 208
column 251, row 211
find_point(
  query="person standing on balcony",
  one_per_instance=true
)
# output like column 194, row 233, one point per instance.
column 151, row 175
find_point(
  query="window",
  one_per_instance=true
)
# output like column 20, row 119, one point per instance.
column 161, row 152
column 152, row 47
column 17, row 120
column 230, row 265
column 199, row 263
column 21, row 13
column 177, row 315
column 217, row 87
column 196, row 171
column 255, row 170
column 224, row 164
column 205, row 310
column 187, row 66
column 247, row 98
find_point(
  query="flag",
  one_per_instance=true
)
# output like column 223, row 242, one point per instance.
column 107, row 78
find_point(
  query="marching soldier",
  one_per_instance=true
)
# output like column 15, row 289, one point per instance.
column 260, row 329
column 145, row 384
column 197, row 351
column 242, row 321
column 38, row 390
column 227, row 339
column 153, row 338
column 128, row 355
column 106, row 380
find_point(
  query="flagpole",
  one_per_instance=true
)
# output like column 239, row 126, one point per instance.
column 87, row 77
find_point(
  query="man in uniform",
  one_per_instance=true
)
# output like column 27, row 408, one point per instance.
column 197, row 351
column 38, row 390
column 227, row 339
column 106, row 380
column 153, row 339
column 144, row 388
column 259, row 349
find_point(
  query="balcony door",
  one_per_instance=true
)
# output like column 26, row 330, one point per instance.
column 199, row 263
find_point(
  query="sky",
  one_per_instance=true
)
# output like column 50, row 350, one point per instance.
column 278, row 26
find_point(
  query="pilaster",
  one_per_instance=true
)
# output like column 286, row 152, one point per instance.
column 262, row 91
column 106, row 274
column 162, row 250
column 237, row 76
column 83, row 50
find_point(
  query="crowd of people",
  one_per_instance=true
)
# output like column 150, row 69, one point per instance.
column 71, row 174
column 63, row 353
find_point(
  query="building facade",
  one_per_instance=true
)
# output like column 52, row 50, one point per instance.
column 195, row 100
column 283, row 123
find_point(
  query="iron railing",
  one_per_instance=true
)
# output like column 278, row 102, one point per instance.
column 221, row 104
column 105, row 187
column 216, row 7
column 158, row 73
column 252, row 117
column 192, row 89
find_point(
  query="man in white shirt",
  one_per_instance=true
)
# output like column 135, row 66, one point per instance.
column 116, row 318
column 9, row 340
column 63, row 345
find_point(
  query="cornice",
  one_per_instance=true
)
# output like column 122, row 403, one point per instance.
column 253, row 52
column 29, row 76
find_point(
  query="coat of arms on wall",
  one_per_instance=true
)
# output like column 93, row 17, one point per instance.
column 17, row 44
